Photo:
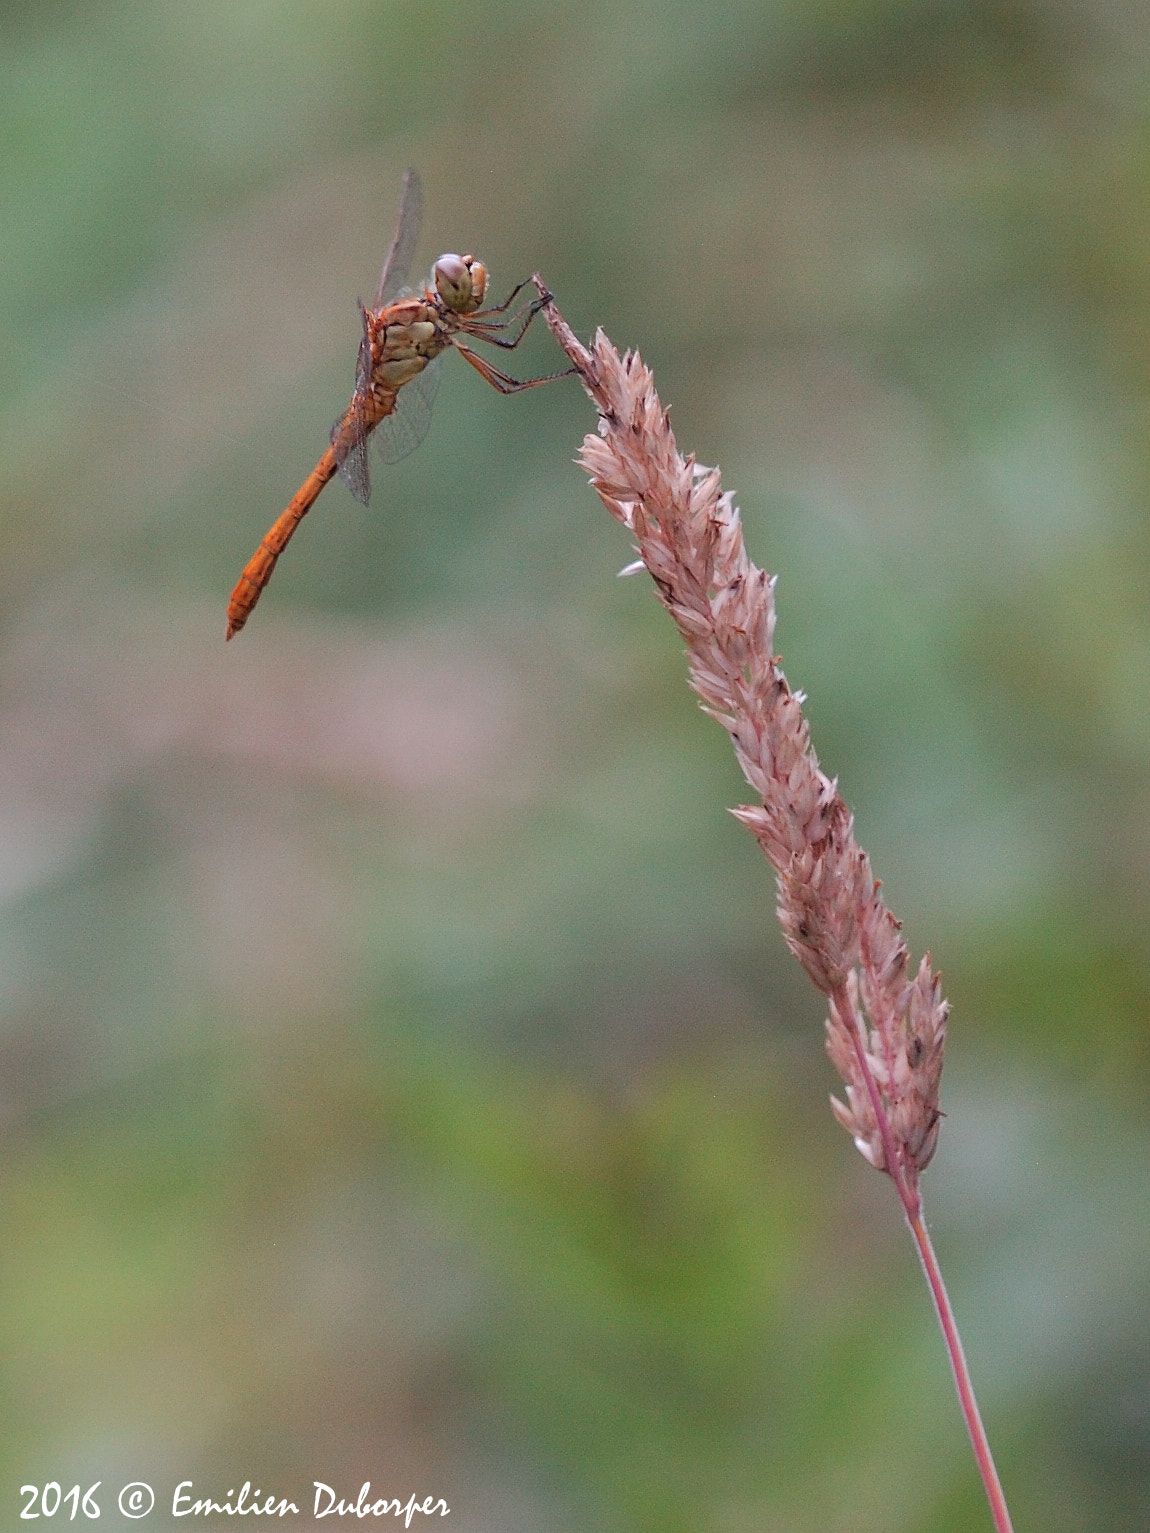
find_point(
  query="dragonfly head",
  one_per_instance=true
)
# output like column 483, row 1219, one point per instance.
column 461, row 282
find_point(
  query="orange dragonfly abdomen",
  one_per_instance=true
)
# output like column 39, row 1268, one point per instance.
column 258, row 570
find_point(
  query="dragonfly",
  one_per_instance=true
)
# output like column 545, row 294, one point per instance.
column 396, row 377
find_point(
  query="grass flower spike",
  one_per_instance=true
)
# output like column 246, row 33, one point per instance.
column 886, row 1024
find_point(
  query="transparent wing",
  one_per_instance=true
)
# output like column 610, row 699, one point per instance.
column 364, row 361
column 402, row 431
column 349, row 439
column 350, row 432
column 403, row 241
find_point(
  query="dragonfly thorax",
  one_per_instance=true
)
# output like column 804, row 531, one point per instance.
column 461, row 282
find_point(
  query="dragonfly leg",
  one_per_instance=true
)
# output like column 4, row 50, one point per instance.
column 503, row 307
column 492, row 332
column 501, row 380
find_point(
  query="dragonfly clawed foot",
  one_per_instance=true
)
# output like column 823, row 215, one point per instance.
column 501, row 380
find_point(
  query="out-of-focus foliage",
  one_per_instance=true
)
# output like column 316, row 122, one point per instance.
column 401, row 1076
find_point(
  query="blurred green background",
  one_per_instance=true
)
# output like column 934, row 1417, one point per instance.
column 401, row 1074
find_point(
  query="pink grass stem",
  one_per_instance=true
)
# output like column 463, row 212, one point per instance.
column 962, row 1379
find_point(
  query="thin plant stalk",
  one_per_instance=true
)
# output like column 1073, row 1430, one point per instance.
column 886, row 1023
column 962, row 1380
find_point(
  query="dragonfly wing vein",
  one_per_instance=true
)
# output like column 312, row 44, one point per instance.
column 404, row 240
column 349, row 443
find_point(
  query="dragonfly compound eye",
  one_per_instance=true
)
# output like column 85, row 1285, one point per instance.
column 478, row 281
column 453, row 282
